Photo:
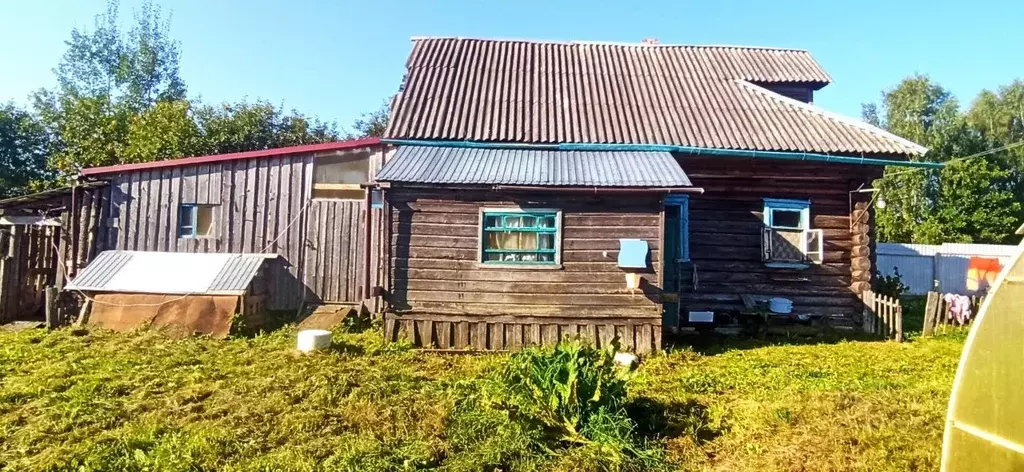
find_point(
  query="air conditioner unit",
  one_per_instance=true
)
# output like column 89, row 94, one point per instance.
column 792, row 245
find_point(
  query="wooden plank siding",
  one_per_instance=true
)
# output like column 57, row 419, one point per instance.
column 261, row 205
column 725, row 224
column 441, row 296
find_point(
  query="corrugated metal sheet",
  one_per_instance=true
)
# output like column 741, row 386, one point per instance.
column 99, row 272
column 706, row 96
column 922, row 266
column 169, row 273
column 234, row 156
column 448, row 165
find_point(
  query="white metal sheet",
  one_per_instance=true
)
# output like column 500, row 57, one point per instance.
column 166, row 272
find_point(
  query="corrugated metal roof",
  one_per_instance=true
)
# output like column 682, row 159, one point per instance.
column 47, row 194
column 451, row 165
column 704, row 96
column 169, row 272
column 281, row 151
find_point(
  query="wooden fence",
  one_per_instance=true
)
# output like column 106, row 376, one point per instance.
column 938, row 313
column 883, row 315
column 28, row 264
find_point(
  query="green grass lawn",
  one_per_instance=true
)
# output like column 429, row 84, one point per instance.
column 105, row 401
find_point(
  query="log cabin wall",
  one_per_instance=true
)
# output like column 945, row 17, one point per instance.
column 441, row 296
column 260, row 205
column 725, row 224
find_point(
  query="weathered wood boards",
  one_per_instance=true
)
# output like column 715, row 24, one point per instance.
column 260, row 205
column 509, row 333
column 443, row 297
column 725, row 224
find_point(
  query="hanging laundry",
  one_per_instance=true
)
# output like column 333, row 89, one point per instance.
column 982, row 272
column 959, row 308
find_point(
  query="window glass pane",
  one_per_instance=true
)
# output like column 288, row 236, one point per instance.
column 492, row 221
column 546, row 241
column 546, row 222
column 511, row 240
column 786, row 219
column 513, row 222
column 342, row 168
column 204, row 220
column 185, row 219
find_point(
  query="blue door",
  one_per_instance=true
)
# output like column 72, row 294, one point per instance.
column 676, row 253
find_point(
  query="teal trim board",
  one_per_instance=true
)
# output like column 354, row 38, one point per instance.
column 693, row 150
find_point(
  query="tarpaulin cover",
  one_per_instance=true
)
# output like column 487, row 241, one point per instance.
column 193, row 314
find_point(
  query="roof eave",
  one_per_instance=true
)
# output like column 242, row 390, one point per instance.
column 196, row 160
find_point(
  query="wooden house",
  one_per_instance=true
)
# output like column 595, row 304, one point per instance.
column 612, row 191
column 525, row 191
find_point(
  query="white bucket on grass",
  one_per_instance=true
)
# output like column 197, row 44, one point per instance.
column 314, row 340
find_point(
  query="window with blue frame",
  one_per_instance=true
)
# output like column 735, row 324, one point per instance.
column 521, row 237
column 195, row 221
column 787, row 214
column 787, row 239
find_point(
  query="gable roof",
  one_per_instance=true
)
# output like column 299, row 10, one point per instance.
column 702, row 96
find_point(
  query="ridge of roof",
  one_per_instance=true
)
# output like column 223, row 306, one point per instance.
column 609, row 43
column 919, row 149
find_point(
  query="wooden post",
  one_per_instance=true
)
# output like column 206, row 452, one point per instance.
column 83, row 314
column 52, row 315
column 899, row 324
column 929, row 313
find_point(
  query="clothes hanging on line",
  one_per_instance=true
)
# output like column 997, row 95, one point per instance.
column 982, row 272
column 959, row 308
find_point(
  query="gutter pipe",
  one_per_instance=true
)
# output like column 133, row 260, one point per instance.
column 692, row 150
column 694, row 190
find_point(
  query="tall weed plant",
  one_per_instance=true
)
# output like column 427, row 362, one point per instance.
column 576, row 395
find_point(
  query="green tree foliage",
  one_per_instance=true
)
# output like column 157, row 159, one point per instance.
column 975, row 200
column 23, row 147
column 245, row 126
column 120, row 99
column 106, row 80
column 373, row 124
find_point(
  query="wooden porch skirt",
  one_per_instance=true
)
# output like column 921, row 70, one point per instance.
column 512, row 333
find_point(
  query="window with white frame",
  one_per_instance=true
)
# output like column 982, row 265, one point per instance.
column 788, row 239
column 340, row 175
column 529, row 237
column 195, row 221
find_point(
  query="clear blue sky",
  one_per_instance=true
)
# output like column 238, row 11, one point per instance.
column 336, row 59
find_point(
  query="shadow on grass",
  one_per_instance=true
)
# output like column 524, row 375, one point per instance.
column 711, row 343
column 342, row 347
column 672, row 419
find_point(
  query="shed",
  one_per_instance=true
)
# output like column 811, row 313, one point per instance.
column 43, row 237
column 199, row 292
